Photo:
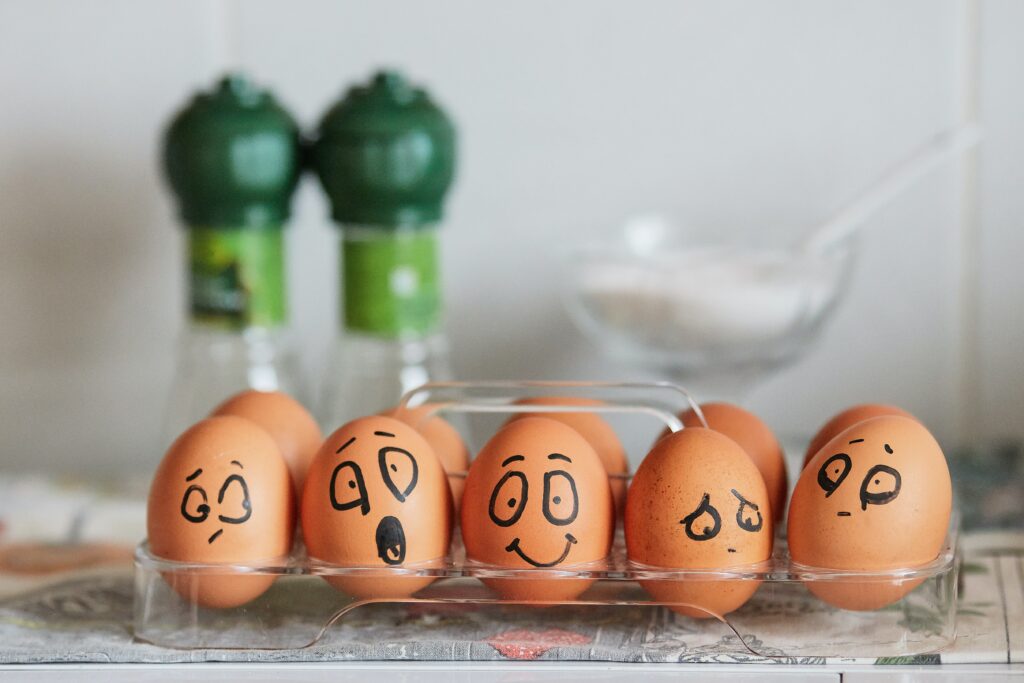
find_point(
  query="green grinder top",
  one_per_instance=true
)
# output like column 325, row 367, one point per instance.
column 232, row 157
column 385, row 154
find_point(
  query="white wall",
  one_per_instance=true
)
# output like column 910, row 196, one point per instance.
column 572, row 115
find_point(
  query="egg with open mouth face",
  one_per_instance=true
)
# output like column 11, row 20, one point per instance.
column 537, row 497
column 876, row 497
column 222, row 494
column 376, row 497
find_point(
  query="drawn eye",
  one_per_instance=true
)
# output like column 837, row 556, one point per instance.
column 561, row 503
column 234, row 498
column 747, row 513
column 399, row 470
column 832, row 473
column 704, row 523
column 348, row 489
column 508, row 500
column 194, row 506
column 880, row 486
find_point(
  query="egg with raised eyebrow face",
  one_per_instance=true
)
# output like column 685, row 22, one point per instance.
column 698, row 501
column 537, row 497
column 877, row 496
column 376, row 496
column 221, row 494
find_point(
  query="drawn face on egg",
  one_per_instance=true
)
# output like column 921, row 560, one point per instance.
column 875, row 479
column 374, row 471
column 696, row 524
column 537, row 496
column 231, row 506
column 559, row 501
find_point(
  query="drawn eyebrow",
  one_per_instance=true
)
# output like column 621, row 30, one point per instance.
column 345, row 445
column 888, row 449
column 559, row 456
column 384, row 434
column 512, row 458
column 856, row 441
column 235, row 462
column 194, row 474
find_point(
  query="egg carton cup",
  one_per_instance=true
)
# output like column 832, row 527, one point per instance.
column 783, row 619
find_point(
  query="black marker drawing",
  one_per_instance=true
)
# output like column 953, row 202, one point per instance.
column 707, row 532
column 202, row 510
column 570, row 541
column 745, row 523
column 508, row 499
column 194, row 474
column 215, row 536
column 391, row 461
column 390, row 539
column 843, row 513
column 833, row 472
column 888, row 449
column 345, row 445
column 887, row 481
column 246, row 503
column 553, row 504
column 856, row 441
column 354, row 483
column 384, row 434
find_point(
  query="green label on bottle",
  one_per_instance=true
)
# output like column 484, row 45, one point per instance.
column 236, row 277
column 391, row 284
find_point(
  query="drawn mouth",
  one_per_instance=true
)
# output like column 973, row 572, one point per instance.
column 215, row 536
column 390, row 539
column 842, row 514
column 570, row 541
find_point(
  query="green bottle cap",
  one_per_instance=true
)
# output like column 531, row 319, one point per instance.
column 232, row 157
column 385, row 154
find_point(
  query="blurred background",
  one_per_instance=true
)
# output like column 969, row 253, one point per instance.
column 572, row 117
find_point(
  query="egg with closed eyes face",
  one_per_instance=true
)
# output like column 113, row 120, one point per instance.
column 698, row 501
column 537, row 498
column 376, row 497
column 876, row 497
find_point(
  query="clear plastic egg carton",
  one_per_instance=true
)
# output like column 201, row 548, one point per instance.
column 783, row 619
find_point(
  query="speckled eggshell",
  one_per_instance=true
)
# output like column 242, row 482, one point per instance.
column 286, row 420
column 537, row 498
column 877, row 496
column 697, row 501
column 444, row 439
column 595, row 430
column 754, row 437
column 221, row 494
column 376, row 496
column 847, row 419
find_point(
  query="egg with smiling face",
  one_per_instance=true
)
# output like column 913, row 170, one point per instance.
column 537, row 498
column 376, row 496
column 222, row 494
column 876, row 497
column 698, row 501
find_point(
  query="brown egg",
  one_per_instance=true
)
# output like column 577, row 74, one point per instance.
column 595, row 430
column 537, row 497
column 698, row 502
column 284, row 418
column 448, row 445
column 875, row 497
column 376, row 496
column 756, row 439
column 847, row 419
column 221, row 494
